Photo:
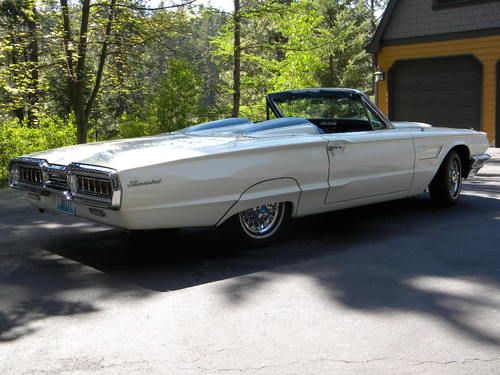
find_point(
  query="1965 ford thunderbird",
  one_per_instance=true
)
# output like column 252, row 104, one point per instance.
column 325, row 150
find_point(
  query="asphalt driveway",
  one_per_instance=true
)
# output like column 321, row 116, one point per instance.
column 395, row 288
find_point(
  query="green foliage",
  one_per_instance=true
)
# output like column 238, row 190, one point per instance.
column 19, row 58
column 131, row 126
column 296, row 44
column 167, row 69
column 176, row 103
column 19, row 139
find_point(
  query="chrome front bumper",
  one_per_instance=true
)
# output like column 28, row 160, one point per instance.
column 477, row 162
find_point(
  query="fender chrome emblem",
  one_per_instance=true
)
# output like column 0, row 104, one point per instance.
column 136, row 183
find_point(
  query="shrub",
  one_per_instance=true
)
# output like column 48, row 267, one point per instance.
column 133, row 126
column 18, row 139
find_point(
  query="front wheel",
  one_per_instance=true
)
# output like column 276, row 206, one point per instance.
column 446, row 185
column 259, row 225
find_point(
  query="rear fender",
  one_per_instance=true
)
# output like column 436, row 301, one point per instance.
column 271, row 191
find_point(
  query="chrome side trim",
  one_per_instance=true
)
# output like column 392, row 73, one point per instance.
column 477, row 162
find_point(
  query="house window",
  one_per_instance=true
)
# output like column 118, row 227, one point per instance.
column 443, row 4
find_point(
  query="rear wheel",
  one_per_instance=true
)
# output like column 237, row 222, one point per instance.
column 446, row 185
column 259, row 225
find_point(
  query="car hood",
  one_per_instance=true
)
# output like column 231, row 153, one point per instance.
column 137, row 152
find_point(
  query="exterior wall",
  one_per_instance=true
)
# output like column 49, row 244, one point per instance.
column 486, row 50
column 414, row 18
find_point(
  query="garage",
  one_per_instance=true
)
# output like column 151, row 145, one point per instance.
column 441, row 91
column 497, row 138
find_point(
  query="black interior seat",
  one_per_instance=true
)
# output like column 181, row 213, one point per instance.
column 342, row 125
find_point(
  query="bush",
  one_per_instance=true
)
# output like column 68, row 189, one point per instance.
column 133, row 126
column 18, row 139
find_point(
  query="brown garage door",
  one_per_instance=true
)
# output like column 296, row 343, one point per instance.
column 442, row 91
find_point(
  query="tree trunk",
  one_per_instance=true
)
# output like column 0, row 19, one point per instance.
column 18, row 112
column 237, row 59
column 331, row 71
column 77, row 78
column 82, row 127
column 33, row 56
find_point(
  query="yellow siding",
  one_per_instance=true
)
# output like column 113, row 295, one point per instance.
column 486, row 50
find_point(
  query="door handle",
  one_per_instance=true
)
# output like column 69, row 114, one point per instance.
column 336, row 147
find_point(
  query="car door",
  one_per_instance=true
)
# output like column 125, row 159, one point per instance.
column 370, row 164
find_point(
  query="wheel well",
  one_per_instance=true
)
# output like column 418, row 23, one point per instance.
column 283, row 189
column 464, row 154
column 288, row 205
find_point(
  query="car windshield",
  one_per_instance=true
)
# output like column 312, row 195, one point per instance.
column 332, row 111
column 343, row 107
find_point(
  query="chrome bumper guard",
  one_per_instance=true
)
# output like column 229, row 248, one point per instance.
column 477, row 162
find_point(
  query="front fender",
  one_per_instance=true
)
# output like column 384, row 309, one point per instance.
column 270, row 191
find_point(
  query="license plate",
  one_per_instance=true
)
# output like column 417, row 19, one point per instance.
column 65, row 206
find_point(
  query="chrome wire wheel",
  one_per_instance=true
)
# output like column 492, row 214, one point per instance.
column 454, row 177
column 262, row 221
column 446, row 185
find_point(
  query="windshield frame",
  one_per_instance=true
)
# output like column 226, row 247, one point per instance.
column 273, row 106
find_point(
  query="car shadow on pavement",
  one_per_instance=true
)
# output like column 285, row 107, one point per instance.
column 403, row 256
column 382, row 258
column 166, row 260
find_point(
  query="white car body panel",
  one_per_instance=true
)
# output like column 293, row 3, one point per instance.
column 381, row 160
column 202, row 178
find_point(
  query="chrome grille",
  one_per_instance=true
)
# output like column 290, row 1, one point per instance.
column 94, row 185
column 58, row 180
column 30, row 175
column 98, row 187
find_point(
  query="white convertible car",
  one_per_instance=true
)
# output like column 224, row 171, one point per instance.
column 327, row 149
